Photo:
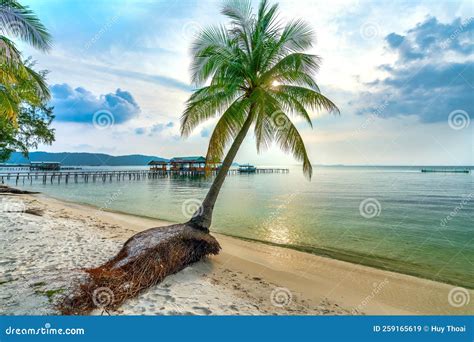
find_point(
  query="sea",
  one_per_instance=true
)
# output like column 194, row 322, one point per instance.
column 395, row 218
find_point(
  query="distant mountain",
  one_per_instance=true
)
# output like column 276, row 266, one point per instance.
column 83, row 159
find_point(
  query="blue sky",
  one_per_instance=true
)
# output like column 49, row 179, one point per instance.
column 402, row 73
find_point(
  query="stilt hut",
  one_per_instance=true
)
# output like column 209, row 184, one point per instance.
column 196, row 163
column 158, row 165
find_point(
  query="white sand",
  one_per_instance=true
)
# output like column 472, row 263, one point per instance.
column 46, row 253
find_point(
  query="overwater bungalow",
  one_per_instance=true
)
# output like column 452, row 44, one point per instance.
column 188, row 164
column 158, row 165
column 196, row 163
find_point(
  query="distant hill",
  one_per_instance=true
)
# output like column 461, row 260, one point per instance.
column 83, row 159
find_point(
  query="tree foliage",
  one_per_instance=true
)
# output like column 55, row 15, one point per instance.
column 33, row 128
column 255, row 66
column 24, row 115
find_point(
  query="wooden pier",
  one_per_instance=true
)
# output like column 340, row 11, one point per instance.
column 428, row 170
column 53, row 177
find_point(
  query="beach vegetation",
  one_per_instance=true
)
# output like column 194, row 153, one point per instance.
column 50, row 294
column 23, row 90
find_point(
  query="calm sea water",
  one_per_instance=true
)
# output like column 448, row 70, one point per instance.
column 395, row 218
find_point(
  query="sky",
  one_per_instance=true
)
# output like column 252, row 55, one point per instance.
column 401, row 73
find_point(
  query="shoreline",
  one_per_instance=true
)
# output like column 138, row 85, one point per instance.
column 346, row 257
column 248, row 273
column 339, row 255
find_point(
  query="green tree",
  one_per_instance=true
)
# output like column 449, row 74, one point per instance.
column 254, row 72
column 19, row 84
column 32, row 129
column 24, row 115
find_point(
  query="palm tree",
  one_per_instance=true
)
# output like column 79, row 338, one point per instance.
column 19, row 83
column 257, row 73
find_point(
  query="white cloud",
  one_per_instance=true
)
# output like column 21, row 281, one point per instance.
column 151, row 38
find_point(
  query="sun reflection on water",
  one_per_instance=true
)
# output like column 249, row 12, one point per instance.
column 276, row 226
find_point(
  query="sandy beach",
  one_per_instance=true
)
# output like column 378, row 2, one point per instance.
column 46, row 242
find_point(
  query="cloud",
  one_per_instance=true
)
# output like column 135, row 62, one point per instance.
column 79, row 104
column 432, row 75
column 431, row 38
column 154, row 129
column 140, row 131
column 155, row 79
column 157, row 128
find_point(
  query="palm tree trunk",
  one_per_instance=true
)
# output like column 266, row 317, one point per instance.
column 203, row 217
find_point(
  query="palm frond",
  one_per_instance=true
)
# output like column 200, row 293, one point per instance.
column 39, row 84
column 21, row 85
column 226, row 129
column 297, row 35
column 290, row 140
column 214, row 53
column 240, row 11
column 291, row 105
column 21, row 22
column 310, row 98
column 267, row 110
column 204, row 104
column 295, row 67
column 8, row 51
column 8, row 105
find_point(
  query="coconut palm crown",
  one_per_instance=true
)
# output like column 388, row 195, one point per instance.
column 19, row 83
column 253, row 72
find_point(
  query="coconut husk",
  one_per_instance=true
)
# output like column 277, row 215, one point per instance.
column 144, row 260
